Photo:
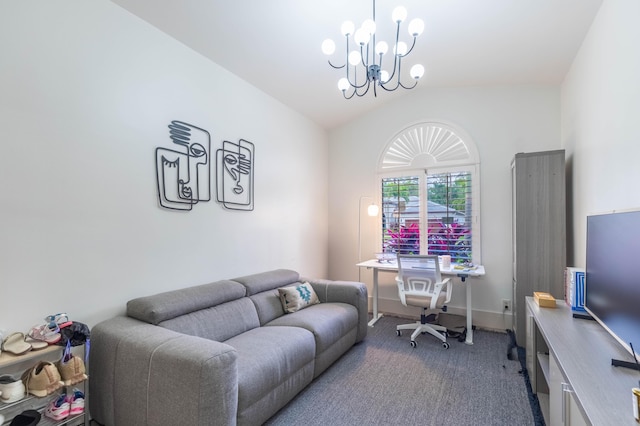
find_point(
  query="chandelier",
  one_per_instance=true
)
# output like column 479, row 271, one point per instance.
column 364, row 64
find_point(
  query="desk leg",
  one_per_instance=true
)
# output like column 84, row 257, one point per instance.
column 469, row 340
column 376, row 316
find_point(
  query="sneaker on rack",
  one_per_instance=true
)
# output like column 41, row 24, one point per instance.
column 58, row 409
column 76, row 402
column 42, row 379
column 12, row 389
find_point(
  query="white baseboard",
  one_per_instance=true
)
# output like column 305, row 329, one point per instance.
column 497, row 321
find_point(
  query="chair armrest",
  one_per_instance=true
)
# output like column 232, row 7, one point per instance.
column 351, row 292
column 137, row 370
column 401, row 290
column 438, row 289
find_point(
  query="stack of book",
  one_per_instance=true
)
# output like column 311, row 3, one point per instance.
column 574, row 282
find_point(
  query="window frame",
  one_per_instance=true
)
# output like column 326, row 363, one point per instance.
column 422, row 170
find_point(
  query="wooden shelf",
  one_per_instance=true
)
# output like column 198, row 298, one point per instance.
column 543, row 360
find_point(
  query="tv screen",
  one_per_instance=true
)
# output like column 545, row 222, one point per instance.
column 612, row 274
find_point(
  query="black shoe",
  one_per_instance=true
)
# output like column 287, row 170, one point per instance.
column 26, row 418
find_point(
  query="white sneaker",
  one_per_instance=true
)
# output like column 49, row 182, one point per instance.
column 12, row 389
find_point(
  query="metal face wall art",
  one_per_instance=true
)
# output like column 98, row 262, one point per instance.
column 184, row 173
column 234, row 164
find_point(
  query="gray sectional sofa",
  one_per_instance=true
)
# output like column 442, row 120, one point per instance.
column 219, row 354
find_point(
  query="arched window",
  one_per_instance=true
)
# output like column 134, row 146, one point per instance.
column 429, row 177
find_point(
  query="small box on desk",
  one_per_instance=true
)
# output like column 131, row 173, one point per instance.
column 544, row 300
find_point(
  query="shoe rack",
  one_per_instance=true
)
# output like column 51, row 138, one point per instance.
column 16, row 365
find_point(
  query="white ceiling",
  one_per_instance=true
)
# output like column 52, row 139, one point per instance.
column 275, row 44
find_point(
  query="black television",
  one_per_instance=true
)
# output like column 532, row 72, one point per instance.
column 612, row 295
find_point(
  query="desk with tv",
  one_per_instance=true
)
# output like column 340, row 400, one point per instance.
column 569, row 365
column 463, row 274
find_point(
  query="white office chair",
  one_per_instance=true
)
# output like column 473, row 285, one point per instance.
column 420, row 284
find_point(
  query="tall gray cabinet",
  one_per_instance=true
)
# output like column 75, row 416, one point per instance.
column 538, row 230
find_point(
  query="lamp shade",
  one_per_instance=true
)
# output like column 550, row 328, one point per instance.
column 416, row 26
column 347, row 28
column 417, row 71
column 328, row 47
column 399, row 14
column 372, row 210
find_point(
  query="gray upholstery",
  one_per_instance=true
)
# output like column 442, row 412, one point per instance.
column 219, row 354
column 137, row 371
column 329, row 323
column 164, row 306
column 272, row 375
column 351, row 292
column 267, row 305
column 263, row 281
column 217, row 322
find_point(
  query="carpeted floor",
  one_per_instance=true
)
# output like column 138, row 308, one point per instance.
column 384, row 381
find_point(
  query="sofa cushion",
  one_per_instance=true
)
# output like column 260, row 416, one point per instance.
column 297, row 296
column 217, row 322
column 264, row 281
column 274, row 364
column 327, row 321
column 171, row 304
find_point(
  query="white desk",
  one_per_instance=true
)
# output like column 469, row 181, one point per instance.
column 393, row 267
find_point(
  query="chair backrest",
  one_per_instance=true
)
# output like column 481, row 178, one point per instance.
column 419, row 275
column 418, row 271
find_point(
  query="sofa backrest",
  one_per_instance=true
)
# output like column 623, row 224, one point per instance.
column 216, row 311
column 262, row 290
column 257, row 283
column 217, row 323
column 171, row 304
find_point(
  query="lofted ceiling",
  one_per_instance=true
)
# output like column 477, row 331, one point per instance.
column 275, row 44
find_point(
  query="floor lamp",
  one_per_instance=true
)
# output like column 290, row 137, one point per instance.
column 372, row 211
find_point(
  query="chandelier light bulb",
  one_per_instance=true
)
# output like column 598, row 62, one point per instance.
column 381, row 48
column 328, row 47
column 384, row 76
column 347, row 28
column 400, row 49
column 369, row 26
column 416, row 27
column 343, row 84
column 361, row 36
column 399, row 14
column 354, row 58
column 417, row 71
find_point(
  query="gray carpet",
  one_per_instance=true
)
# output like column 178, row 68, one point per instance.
column 384, row 381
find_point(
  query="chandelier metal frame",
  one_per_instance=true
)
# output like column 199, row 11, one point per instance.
column 370, row 56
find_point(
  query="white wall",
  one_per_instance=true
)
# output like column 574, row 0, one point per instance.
column 501, row 122
column 86, row 93
column 600, row 110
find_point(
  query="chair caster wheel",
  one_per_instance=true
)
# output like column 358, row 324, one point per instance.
column 398, row 333
column 445, row 345
column 413, row 344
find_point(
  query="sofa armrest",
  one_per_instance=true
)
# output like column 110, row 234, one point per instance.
column 351, row 292
column 138, row 370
